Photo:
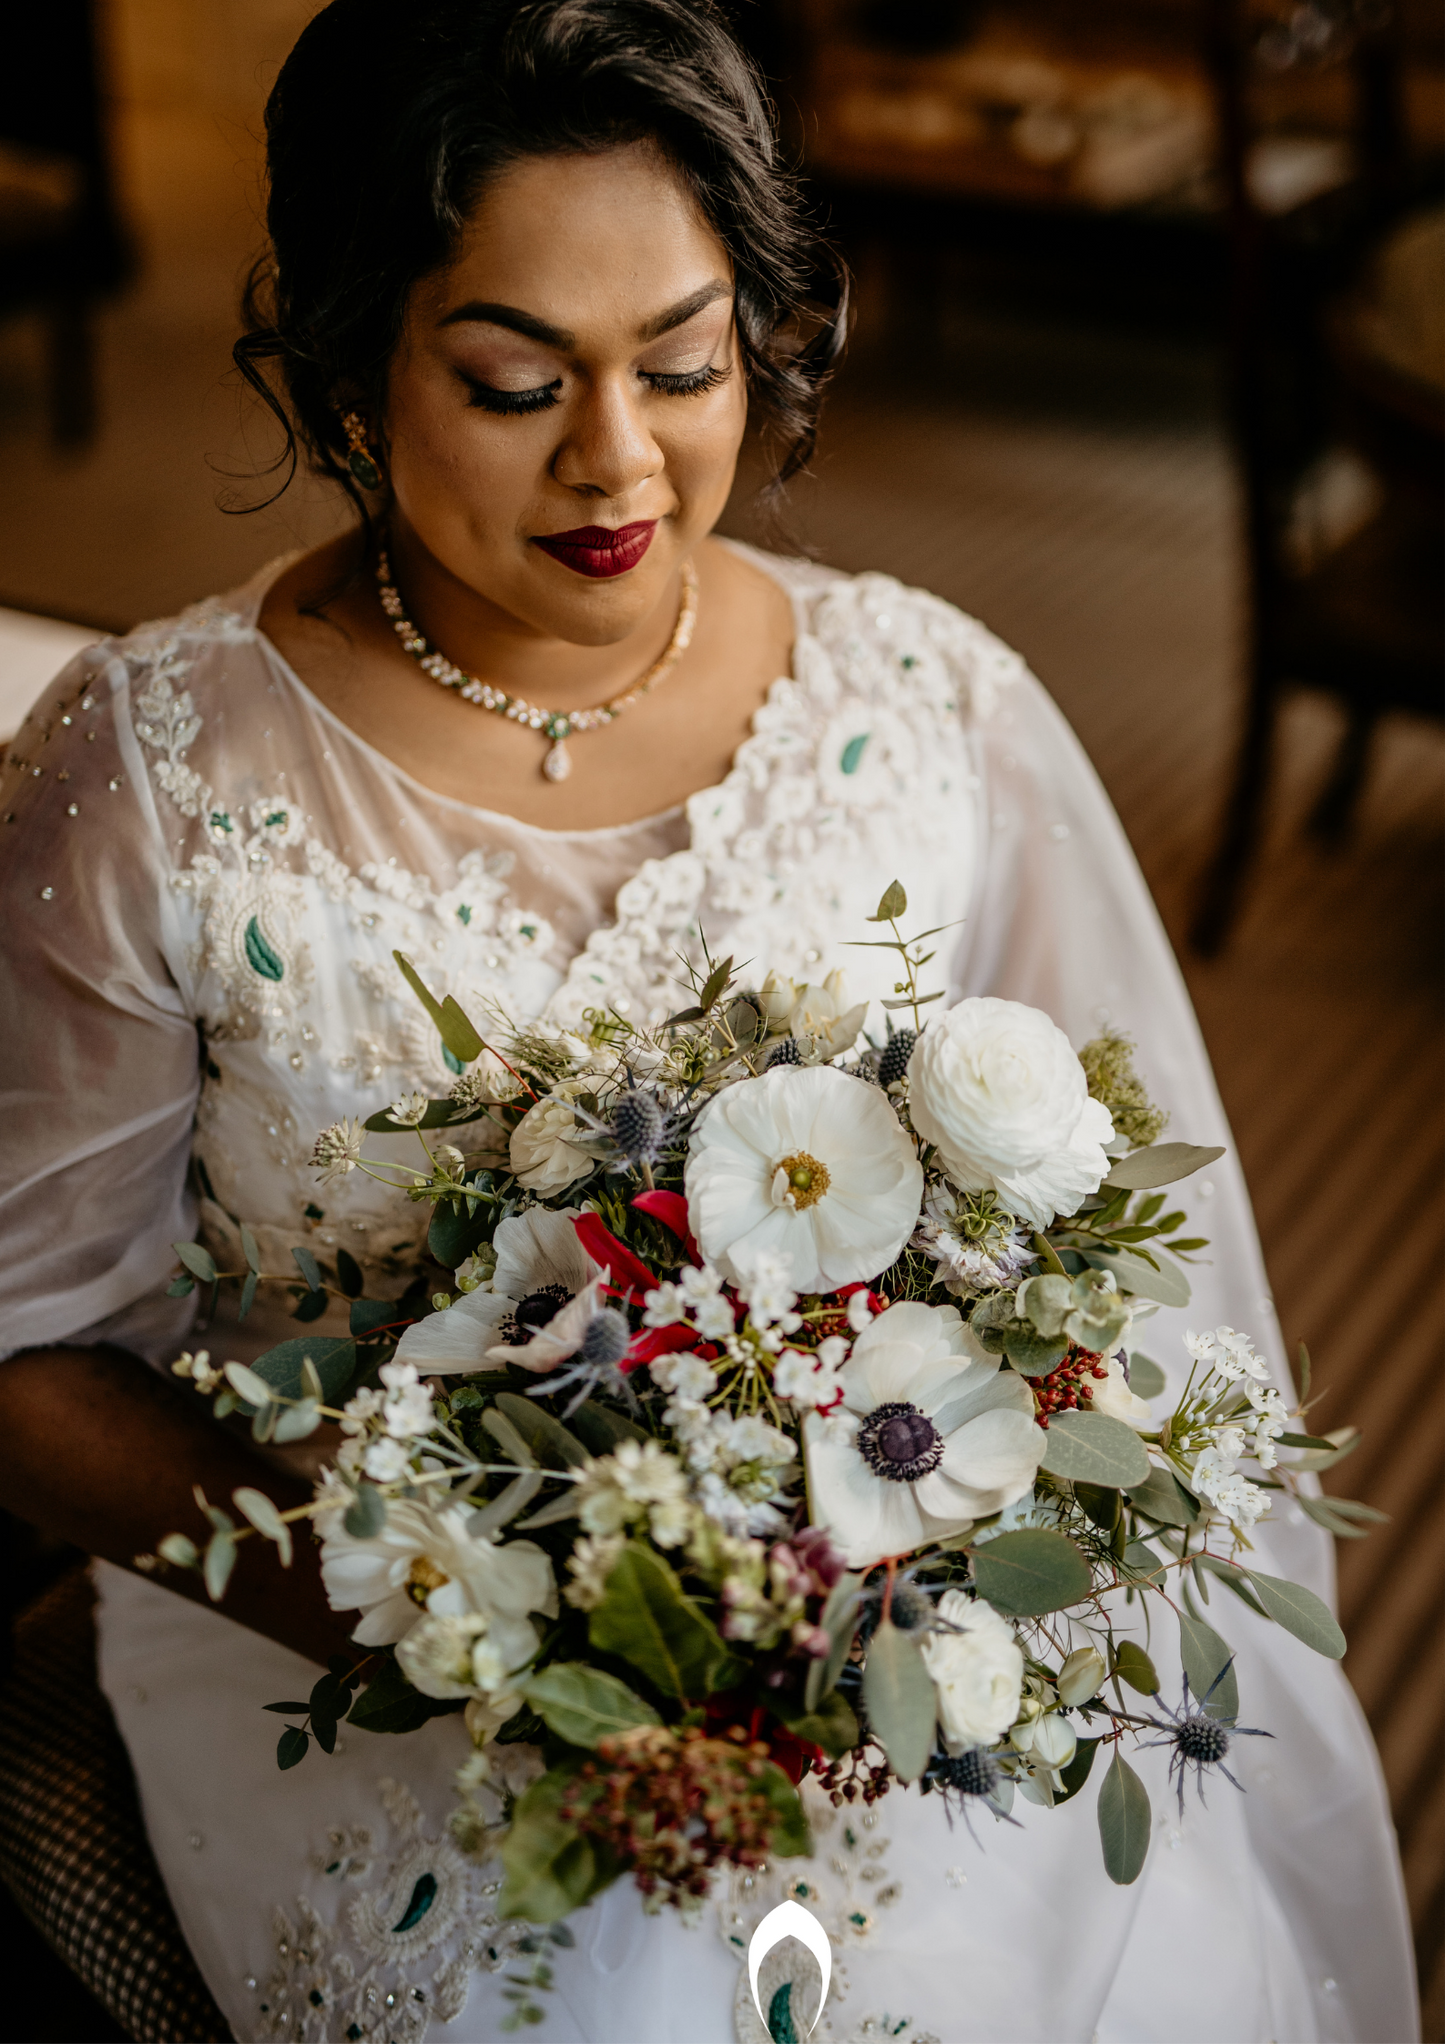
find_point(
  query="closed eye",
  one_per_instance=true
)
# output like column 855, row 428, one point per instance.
column 510, row 403
column 690, row 384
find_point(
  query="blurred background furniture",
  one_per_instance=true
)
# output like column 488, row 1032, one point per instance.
column 62, row 247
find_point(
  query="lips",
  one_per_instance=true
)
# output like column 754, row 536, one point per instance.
column 599, row 550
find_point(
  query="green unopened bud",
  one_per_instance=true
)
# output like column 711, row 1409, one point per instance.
column 1054, row 1742
column 1082, row 1676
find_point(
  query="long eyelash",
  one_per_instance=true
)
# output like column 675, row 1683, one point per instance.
column 511, row 403
column 692, row 384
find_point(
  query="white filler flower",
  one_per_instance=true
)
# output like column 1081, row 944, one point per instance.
column 810, row 1164
column 540, row 1266
column 998, row 1088
column 932, row 1435
column 978, row 1672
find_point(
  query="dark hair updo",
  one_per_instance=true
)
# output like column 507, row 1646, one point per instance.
column 390, row 117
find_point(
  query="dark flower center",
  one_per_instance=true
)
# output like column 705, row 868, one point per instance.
column 900, row 1442
column 533, row 1312
column 1202, row 1740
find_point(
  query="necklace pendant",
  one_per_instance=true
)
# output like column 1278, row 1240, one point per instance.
column 558, row 763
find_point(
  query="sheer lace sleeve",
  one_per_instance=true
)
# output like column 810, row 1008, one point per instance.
column 101, row 1064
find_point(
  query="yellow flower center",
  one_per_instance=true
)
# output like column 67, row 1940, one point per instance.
column 422, row 1578
column 800, row 1181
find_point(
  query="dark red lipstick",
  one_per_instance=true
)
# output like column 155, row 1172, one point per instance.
column 599, row 549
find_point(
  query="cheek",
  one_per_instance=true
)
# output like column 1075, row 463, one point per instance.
column 446, row 450
column 701, row 441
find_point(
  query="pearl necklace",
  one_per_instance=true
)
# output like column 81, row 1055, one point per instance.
column 558, row 725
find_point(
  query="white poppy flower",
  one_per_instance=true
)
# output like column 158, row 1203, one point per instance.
column 545, row 1149
column 810, row 1164
column 931, row 1436
column 426, row 1560
column 978, row 1672
column 999, row 1089
column 540, row 1266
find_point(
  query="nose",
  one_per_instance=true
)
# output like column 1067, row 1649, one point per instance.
column 607, row 450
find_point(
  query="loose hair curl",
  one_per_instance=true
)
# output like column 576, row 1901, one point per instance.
column 389, row 119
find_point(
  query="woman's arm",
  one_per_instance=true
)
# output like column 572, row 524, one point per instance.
column 97, row 1449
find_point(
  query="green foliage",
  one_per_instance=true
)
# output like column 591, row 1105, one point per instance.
column 390, row 1704
column 1146, row 1379
column 369, row 1314
column 366, row 1514
column 1204, row 1654
column 832, row 1725
column 1164, row 1283
column 997, row 1325
column 900, row 1700
column 291, row 1746
column 893, row 904
column 1033, row 1571
column 348, row 1274
column 1124, row 1822
column 1133, row 1665
column 1078, row 1770
column 309, row 1268
column 600, row 1429
column 582, row 1704
column 333, row 1357
column 548, row 1439
column 454, row 1233
column 1093, row 1448
column 1346, row 1518
column 839, row 1620
column 1299, row 1611
column 1162, row 1164
column 1108, row 1063
column 647, row 1620
column 1163, row 1498
column 455, row 1031
column 549, row 1868
column 198, row 1261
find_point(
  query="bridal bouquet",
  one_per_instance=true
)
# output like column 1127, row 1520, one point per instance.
column 773, row 1407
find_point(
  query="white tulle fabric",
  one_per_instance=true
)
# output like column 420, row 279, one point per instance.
column 201, row 891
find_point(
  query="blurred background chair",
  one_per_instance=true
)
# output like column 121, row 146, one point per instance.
column 1336, row 354
column 62, row 247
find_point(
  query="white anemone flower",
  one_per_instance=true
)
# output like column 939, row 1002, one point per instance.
column 811, row 1164
column 424, row 1560
column 931, row 1435
column 540, row 1266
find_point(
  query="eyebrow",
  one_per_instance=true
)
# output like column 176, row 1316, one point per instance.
column 478, row 312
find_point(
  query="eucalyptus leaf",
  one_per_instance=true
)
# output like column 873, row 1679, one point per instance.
column 220, row 1560
column 646, row 1619
column 310, row 1306
column 713, row 985
column 1031, row 1572
column 255, row 1390
column 248, row 1295
column 178, row 1550
column 390, row 1704
column 455, row 1031
column 543, row 1434
column 1343, row 1441
column 1163, row 1498
column 333, row 1358
column 309, row 1268
column 1094, row 1448
column 1133, row 1665
column 198, row 1261
column 267, row 1520
column 1299, row 1611
column 582, row 1704
column 1204, row 1655
column 366, row 1514
column 1124, row 1822
column 1161, row 1164
column 1346, row 1518
column 1146, row 1379
column 893, row 904
column 839, row 1620
column 348, row 1274
column 365, row 1316
column 600, row 1429
column 181, row 1287
column 1078, row 1770
column 454, row 1233
column 249, row 1249
column 507, row 1438
column 518, row 1494
column 900, row 1699
column 1166, row 1285
column 565, row 1507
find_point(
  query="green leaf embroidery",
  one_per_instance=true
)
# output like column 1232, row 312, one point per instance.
column 260, row 956
column 853, row 755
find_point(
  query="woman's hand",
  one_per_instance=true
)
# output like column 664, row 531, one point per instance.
column 99, row 1450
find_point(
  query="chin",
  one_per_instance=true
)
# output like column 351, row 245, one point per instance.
column 595, row 612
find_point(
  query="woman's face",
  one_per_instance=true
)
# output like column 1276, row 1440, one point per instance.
column 565, row 408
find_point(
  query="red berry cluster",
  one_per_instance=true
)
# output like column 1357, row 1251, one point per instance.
column 670, row 1806
column 856, row 1778
column 1067, row 1387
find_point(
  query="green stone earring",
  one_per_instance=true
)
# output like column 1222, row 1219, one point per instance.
column 360, row 461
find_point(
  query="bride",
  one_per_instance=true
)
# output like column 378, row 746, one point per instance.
column 531, row 268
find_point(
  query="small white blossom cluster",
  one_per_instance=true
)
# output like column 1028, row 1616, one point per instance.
column 764, row 1289
column 198, row 1368
column 1228, row 1358
column 695, row 1300
column 337, row 1149
column 809, row 1378
column 1228, row 1353
column 638, row 1484
column 383, row 1425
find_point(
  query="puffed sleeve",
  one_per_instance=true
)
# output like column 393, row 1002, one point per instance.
column 101, row 1064
column 1060, row 918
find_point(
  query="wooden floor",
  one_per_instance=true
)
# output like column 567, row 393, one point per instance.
column 1073, row 491
column 1076, row 493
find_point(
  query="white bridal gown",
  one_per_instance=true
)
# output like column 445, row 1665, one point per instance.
column 204, row 876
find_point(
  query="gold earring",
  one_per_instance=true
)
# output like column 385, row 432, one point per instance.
column 360, row 461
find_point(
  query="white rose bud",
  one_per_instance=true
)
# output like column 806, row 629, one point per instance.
column 544, row 1151
column 777, row 998
column 1054, row 1742
column 998, row 1088
column 1082, row 1675
column 977, row 1670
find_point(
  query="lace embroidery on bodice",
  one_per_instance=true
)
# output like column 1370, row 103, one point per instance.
column 859, row 769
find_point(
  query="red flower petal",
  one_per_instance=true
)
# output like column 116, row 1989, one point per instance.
column 671, row 1209
column 655, row 1341
column 626, row 1272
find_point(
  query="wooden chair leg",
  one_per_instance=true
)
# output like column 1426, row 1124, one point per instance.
column 1224, row 880
column 1332, row 814
column 73, row 411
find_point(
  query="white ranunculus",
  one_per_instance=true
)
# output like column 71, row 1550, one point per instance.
column 977, row 1670
column 809, row 1164
column 540, row 1266
column 427, row 1560
column 998, row 1088
column 1112, row 1396
column 546, row 1150
column 930, row 1436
